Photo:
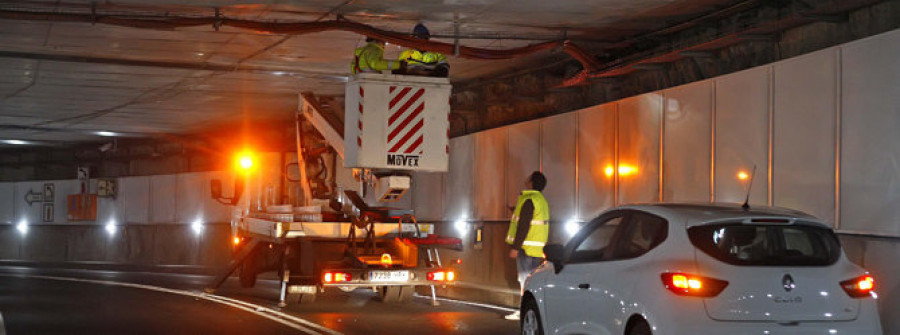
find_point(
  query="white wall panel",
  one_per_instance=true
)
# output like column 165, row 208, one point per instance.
column 189, row 206
column 742, row 128
column 596, row 154
column 109, row 209
column 134, row 197
column 428, row 195
column 639, row 122
column 870, row 144
column 523, row 157
column 687, row 142
column 62, row 189
column 804, row 127
column 163, row 196
column 460, row 179
column 558, row 136
column 490, row 175
column 7, row 206
column 194, row 201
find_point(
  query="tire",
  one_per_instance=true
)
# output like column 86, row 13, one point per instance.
column 247, row 274
column 640, row 327
column 389, row 294
column 300, row 298
column 406, row 293
column 530, row 319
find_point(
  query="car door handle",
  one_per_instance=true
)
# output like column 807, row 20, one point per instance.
column 584, row 286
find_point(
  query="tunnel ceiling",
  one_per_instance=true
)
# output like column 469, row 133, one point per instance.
column 62, row 81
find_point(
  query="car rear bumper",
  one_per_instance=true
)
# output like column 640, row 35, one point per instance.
column 866, row 323
column 747, row 328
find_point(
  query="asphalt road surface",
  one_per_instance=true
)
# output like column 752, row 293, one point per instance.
column 59, row 301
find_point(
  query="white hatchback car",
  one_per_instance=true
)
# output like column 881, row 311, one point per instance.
column 700, row 269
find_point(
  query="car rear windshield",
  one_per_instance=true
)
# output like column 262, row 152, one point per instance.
column 767, row 245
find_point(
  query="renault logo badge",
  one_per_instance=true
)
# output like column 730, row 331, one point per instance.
column 788, row 282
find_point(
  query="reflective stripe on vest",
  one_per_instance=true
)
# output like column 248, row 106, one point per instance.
column 534, row 243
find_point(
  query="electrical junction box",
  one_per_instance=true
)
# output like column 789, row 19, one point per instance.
column 397, row 122
column 391, row 188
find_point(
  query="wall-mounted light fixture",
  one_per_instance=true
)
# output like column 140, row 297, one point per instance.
column 111, row 227
column 22, row 227
column 197, row 226
column 572, row 227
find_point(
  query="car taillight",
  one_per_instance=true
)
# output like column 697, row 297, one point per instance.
column 859, row 287
column 441, row 276
column 335, row 277
column 691, row 285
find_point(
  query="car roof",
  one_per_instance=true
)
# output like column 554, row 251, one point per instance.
column 694, row 214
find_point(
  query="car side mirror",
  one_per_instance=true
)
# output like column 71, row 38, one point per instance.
column 555, row 253
column 215, row 186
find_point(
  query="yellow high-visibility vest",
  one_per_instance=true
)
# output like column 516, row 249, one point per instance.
column 370, row 58
column 426, row 59
column 539, row 231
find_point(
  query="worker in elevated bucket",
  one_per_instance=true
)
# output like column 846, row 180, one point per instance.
column 528, row 229
column 370, row 58
column 424, row 63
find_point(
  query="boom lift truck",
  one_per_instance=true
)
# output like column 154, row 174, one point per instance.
column 393, row 125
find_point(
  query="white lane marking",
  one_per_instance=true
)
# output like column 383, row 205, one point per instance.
column 2, row 326
column 476, row 304
column 294, row 322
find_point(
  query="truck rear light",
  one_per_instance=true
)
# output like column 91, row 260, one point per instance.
column 336, row 277
column 691, row 285
column 447, row 276
column 237, row 240
column 859, row 287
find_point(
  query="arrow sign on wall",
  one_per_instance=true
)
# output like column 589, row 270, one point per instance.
column 32, row 197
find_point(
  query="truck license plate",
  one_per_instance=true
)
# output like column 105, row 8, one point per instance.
column 388, row 276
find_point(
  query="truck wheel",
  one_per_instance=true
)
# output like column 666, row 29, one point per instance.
column 247, row 274
column 389, row 294
column 300, row 298
column 406, row 293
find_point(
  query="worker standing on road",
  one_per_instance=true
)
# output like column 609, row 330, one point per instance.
column 370, row 58
column 424, row 63
column 528, row 229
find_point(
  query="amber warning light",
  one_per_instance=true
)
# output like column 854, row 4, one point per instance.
column 245, row 162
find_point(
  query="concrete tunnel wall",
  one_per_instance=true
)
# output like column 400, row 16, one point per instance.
column 821, row 130
column 163, row 220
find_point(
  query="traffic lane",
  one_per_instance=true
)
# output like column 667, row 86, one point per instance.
column 40, row 306
column 351, row 313
column 359, row 312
